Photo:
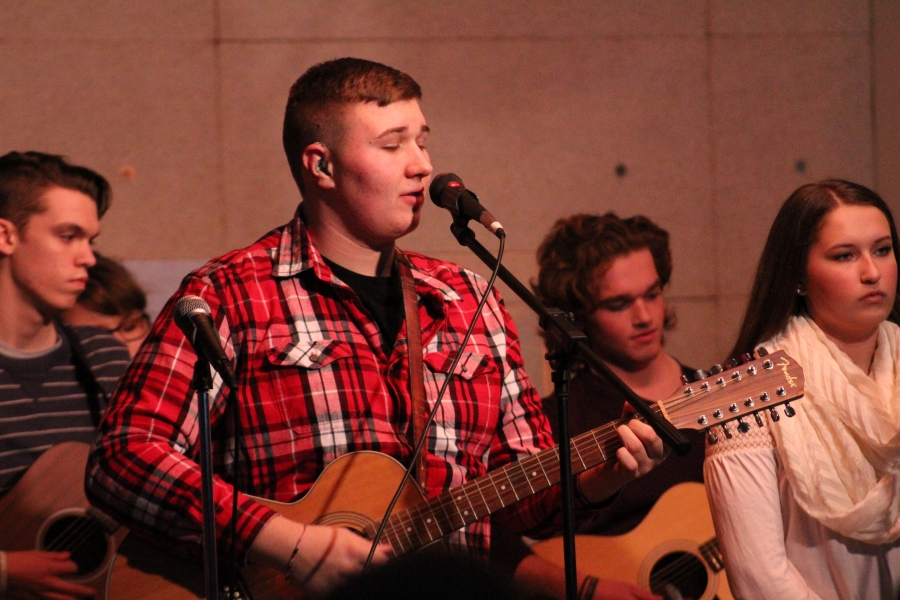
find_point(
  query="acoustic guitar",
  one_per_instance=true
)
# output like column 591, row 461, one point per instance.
column 47, row 510
column 673, row 547
column 355, row 490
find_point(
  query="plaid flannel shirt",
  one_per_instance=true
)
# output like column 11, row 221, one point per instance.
column 314, row 384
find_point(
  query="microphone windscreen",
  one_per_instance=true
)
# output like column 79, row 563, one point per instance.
column 188, row 305
column 439, row 183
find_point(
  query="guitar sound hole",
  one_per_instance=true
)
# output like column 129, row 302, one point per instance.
column 82, row 537
column 682, row 570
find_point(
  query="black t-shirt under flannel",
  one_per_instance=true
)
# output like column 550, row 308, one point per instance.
column 382, row 296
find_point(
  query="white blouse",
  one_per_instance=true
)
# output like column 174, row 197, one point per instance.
column 772, row 549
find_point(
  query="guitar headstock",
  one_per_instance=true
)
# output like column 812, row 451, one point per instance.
column 736, row 392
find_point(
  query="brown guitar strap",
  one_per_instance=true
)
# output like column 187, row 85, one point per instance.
column 416, row 365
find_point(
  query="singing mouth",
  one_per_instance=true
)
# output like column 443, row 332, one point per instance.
column 417, row 197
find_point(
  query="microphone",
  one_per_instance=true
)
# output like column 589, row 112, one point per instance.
column 448, row 191
column 193, row 317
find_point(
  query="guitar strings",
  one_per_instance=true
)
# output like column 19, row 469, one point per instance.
column 680, row 572
column 713, row 555
column 686, row 568
column 77, row 534
column 447, row 512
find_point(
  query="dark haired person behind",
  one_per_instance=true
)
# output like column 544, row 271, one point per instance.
column 610, row 273
column 112, row 300
column 809, row 507
column 49, row 213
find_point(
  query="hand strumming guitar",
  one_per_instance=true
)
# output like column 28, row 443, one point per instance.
column 315, row 558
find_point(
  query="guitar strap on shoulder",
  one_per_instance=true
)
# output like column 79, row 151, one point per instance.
column 85, row 375
column 416, row 365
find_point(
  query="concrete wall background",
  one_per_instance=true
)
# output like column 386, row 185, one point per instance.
column 715, row 110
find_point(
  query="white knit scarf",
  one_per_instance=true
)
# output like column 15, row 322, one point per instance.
column 841, row 452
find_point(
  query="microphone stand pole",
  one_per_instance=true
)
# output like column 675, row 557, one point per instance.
column 571, row 342
column 202, row 383
column 560, row 363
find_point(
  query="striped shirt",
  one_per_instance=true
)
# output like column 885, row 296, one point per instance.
column 42, row 402
column 314, row 383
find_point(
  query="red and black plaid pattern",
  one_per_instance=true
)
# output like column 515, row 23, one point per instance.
column 315, row 383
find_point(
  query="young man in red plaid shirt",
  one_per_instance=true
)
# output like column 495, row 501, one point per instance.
column 312, row 317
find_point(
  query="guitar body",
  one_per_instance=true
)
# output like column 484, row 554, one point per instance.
column 354, row 492
column 47, row 510
column 675, row 542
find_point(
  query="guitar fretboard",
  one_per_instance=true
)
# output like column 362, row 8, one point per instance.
column 431, row 520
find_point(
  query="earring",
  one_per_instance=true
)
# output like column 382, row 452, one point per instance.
column 801, row 291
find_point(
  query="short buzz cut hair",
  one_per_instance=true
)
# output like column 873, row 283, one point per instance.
column 26, row 176
column 580, row 249
column 317, row 97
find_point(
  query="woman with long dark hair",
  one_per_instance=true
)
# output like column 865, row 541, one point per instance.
column 809, row 507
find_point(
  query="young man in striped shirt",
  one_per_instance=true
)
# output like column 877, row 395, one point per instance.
column 53, row 380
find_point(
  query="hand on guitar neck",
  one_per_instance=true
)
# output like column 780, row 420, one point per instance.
column 641, row 451
column 316, row 558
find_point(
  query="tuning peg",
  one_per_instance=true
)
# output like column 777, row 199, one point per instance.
column 789, row 410
column 746, row 357
column 700, row 374
column 711, row 437
column 742, row 426
column 727, row 431
column 774, row 414
column 715, row 369
column 761, row 351
column 732, row 363
column 758, row 420
column 684, row 379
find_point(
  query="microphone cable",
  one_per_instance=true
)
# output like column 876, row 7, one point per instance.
column 437, row 403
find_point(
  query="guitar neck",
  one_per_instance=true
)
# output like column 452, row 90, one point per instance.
column 729, row 395
column 434, row 518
